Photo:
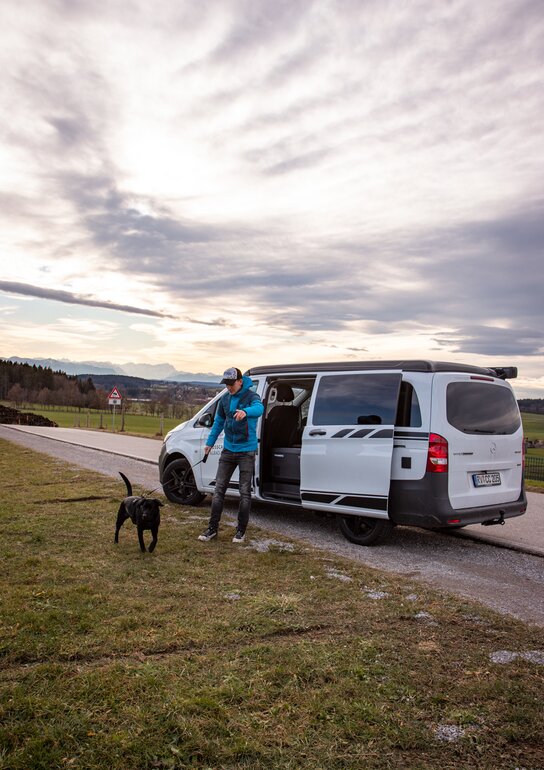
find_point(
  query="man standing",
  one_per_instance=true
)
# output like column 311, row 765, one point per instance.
column 237, row 414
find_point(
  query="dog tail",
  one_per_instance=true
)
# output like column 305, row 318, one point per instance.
column 127, row 482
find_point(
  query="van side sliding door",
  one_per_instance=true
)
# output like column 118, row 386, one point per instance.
column 347, row 445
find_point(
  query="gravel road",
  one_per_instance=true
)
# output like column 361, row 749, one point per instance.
column 505, row 580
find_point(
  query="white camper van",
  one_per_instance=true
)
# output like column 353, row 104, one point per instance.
column 376, row 443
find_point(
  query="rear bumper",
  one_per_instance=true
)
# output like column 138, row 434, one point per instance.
column 425, row 503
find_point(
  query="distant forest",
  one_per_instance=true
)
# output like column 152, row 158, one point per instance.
column 31, row 384
column 533, row 405
column 20, row 383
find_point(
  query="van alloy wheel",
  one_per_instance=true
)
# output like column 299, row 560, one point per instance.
column 179, row 483
column 364, row 531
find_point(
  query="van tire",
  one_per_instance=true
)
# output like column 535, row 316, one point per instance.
column 179, row 483
column 364, row 531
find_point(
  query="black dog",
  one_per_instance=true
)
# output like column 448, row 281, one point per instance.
column 143, row 511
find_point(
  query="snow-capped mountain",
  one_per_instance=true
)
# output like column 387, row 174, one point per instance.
column 146, row 371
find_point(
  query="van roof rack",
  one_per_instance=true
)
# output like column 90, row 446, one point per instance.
column 503, row 372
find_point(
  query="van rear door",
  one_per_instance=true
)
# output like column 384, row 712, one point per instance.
column 347, row 444
column 480, row 419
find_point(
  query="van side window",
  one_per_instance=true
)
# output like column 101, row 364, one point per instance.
column 408, row 412
column 357, row 399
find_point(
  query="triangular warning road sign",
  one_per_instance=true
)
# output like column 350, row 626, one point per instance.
column 114, row 394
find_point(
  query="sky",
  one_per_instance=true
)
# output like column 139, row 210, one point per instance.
column 247, row 182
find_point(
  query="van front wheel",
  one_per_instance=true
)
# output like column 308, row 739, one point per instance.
column 363, row 531
column 179, row 484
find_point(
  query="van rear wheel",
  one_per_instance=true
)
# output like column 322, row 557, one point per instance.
column 179, row 483
column 364, row 531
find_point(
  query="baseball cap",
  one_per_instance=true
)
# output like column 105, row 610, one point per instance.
column 231, row 375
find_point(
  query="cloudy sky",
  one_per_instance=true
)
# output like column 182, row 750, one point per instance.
column 249, row 182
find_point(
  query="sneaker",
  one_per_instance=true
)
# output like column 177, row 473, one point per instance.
column 208, row 534
column 239, row 537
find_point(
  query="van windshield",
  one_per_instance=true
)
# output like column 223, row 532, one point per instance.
column 482, row 408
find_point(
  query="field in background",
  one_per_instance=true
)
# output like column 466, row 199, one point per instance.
column 533, row 425
column 134, row 424
column 266, row 655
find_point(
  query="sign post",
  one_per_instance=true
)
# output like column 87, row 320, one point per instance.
column 114, row 399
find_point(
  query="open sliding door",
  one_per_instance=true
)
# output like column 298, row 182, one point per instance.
column 347, row 445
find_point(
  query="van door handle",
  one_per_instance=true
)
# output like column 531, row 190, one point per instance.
column 318, row 433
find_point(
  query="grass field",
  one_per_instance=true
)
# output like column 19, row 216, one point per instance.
column 135, row 424
column 533, row 425
column 218, row 656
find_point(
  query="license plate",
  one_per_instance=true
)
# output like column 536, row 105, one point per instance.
column 486, row 479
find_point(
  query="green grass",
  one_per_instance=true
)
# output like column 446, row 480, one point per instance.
column 135, row 424
column 533, row 425
column 221, row 656
column 533, row 428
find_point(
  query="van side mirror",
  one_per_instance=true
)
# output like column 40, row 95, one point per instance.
column 205, row 420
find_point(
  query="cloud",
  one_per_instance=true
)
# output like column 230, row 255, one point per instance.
column 334, row 173
column 493, row 341
column 214, row 322
column 24, row 289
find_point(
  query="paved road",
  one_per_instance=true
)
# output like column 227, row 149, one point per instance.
column 509, row 579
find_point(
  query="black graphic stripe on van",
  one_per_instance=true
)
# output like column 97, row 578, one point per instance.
column 352, row 501
column 385, row 433
column 415, row 435
column 370, row 432
column 319, row 497
column 373, row 503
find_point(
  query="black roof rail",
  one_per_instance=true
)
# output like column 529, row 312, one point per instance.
column 407, row 365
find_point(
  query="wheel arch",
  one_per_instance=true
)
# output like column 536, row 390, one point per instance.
column 170, row 457
column 178, row 481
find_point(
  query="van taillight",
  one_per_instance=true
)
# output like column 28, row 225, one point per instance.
column 437, row 456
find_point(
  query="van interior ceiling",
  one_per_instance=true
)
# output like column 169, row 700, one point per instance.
column 286, row 410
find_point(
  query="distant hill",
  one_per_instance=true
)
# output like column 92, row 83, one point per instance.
column 34, row 383
column 140, row 387
column 163, row 372
column 68, row 367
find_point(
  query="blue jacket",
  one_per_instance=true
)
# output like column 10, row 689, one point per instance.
column 240, row 436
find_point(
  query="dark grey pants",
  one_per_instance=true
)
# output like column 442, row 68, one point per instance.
column 228, row 462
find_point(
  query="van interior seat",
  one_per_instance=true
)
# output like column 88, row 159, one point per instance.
column 283, row 422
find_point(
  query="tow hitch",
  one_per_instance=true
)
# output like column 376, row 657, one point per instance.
column 490, row 522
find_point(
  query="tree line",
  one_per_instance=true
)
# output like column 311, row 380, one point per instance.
column 20, row 383
column 532, row 405
column 32, row 384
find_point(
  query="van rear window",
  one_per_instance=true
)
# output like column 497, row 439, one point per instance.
column 478, row 407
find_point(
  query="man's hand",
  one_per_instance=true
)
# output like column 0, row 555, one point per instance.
column 207, row 450
column 239, row 414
